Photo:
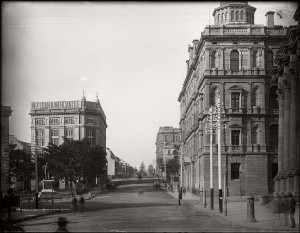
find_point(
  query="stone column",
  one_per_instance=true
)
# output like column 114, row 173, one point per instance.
column 207, row 59
column 293, row 130
column 249, row 96
column 263, row 99
column 262, row 140
column 249, row 129
column 286, row 132
column 206, row 96
column 280, row 159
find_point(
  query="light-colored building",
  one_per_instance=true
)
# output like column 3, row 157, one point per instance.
column 5, row 114
column 111, row 164
column 167, row 137
column 51, row 121
column 286, row 77
column 233, row 61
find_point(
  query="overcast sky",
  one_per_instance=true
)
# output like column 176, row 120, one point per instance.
column 133, row 54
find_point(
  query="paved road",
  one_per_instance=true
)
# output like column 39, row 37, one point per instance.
column 128, row 211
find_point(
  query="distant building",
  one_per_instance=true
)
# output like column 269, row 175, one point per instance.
column 26, row 146
column 51, row 121
column 167, row 137
column 232, row 62
column 4, row 179
column 112, row 161
column 287, row 79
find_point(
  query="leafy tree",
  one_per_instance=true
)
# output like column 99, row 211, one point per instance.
column 76, row 160
column 173, row 166
column 21, row 164
column 142, row 168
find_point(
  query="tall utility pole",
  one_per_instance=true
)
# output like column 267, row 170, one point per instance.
column 36, row 177
column 218, row 105
column 209, row 130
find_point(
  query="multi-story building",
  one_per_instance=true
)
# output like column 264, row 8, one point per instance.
column 53, row 120
column 5, row 114
column 286, row 77
column 167, row 137
column 232, row 62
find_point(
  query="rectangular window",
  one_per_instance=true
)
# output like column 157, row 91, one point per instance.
column 235, row 171
column 40, row 137
column 91, row 136
column 235, row 137
column 69, row 133
column 69, row 120
column 54, row 121
column 235, row 101
column 54, row 136
column 39, row 121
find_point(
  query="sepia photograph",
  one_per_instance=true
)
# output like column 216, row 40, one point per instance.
column 141, row 116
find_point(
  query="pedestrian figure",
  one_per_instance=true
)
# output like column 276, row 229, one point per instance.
column 74, row 204
column 81, row 203
column 285, row 209
column 62, row 224
column 141, row 192
column 291, row 209
column 8, row 202
column 276, row 210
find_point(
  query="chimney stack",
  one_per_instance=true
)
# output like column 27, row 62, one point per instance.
column 270, row 19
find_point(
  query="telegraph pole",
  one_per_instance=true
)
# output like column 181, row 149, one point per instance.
column 219, row 155
column 210, row 121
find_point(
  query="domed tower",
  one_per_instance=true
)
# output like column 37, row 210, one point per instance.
column 234, row 12
column 97, row 99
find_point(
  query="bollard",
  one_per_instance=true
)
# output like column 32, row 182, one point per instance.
column 204, row 198
column 250, row 209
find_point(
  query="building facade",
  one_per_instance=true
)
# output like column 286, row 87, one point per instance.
column 5, row 114
column 20, row 145
column 111, row 164
column 232, row 62
column 286, row 77
column 166, row 138
column 53, row 120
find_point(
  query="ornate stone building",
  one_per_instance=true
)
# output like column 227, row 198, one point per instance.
column 5, row 114
column 232, row 60
column 166, row 137
column 51, row 121
column 286, row 77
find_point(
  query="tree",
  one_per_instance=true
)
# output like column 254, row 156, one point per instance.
column 76, row 160
column 142, row 170
column 173, row 167
column 21, row 164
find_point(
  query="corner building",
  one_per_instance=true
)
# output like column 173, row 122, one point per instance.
column 53, row 120
column 233, row 61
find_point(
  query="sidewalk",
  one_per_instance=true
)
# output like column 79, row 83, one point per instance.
column 237, row 212
column 27, row 211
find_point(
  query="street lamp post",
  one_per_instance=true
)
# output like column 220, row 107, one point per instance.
column 36, row 178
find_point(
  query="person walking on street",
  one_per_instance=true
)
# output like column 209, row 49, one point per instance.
column 62, row 224
column 74, row 204
column 276, row 210
column 81, row 203
column 285, row 209
column 291, row 209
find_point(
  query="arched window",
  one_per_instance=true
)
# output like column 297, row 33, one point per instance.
column 222, row 17
column 256, row 96
column 219, row 18
column 273, row 138
column 232, row 16
column 226, row 16
column 234, row 60
column 214, row 96
column 270, row 60
column 236, row 15
column 242, row 16
column 255, row 139
column 254, row 59
column 213, row 59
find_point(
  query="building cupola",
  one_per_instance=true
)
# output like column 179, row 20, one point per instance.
column 234, row 12
column 270, row 19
